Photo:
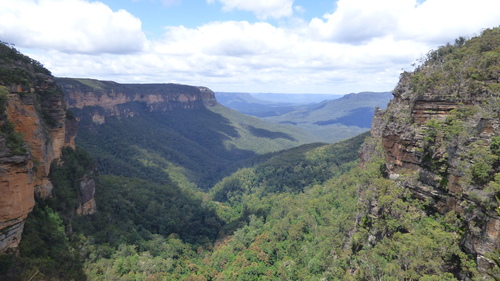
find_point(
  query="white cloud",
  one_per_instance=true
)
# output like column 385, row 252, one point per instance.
column 263, row 9
column 254, row 57
column 356, row 21
column 74, row 26
column 359, row 21
column 299, row 9
column 438, row 20
column 362, row 45
column 169, row 3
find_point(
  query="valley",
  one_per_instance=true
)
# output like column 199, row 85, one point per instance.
column 329, row 118
column 164, row 182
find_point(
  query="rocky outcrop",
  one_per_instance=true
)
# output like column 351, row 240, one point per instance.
column 44, row 141
column 35, row 126
column 17, row 200
column 444, row 175
column 102, row 99
column 444, row 133
column 25, row 171
column 87, row 204
column 33, row 132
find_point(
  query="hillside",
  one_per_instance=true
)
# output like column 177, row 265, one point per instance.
column 338, row 119
column 168, row 132
column 330, row 120
column 442, row 130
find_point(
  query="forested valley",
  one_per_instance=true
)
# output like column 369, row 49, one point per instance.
column 351, row 210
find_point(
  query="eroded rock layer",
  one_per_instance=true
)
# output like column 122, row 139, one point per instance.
column 443, row 127
column 33, row 132
column 103, row 99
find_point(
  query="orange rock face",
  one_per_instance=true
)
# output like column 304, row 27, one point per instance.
column 24, row 175
column 43, row 149
column 110, row 97
column 16, row 187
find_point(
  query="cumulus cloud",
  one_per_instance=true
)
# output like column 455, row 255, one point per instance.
column 359, row 21
column 258, row 56
column 438, row 20
column 356, row 21
column 263, row 9
column 74, row 26
column 362, row 45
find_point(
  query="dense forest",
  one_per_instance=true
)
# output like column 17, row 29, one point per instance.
column 195, row 147
column 313, row 212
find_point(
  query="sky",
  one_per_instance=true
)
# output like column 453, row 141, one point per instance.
column 252, row 46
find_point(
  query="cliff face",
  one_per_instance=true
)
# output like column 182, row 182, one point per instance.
column 443, row 126
column 104, row 99
column 32, row 134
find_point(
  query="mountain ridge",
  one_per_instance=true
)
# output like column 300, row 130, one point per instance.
column 194, row 130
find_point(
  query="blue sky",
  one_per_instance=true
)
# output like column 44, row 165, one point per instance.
column 156, row 14
column 282, row 46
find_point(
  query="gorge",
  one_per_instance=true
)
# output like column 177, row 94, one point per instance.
column 413, row 200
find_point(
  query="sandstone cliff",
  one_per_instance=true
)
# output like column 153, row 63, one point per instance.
column 102, row 99
column 443, row 127
column 33, row 131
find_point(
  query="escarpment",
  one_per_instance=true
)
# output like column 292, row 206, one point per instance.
column 99, row 100
column 33, row 131
column 443, row 126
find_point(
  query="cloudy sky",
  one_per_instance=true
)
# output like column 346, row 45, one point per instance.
column 282, row 46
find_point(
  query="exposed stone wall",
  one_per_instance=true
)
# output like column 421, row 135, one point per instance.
column 113, row 99
column 402, row 129
column 36, row 109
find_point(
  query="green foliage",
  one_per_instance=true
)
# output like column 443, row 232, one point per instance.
column 188, row 147
column 131, row 209
column 469, row 66
column 3, row 99
column 260, row 136
column 10, row 73
column 45, row 251
column 14, row 140
column 293, row 170
column 313, row 230
column 495, row 145
column 494, row 185
column 44, row 238
column 483, row 160
column 66, row 174
column 9, row 54
column 308, row 213
column 146, row 146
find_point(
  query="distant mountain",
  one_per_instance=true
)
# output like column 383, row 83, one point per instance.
column 269, row 104
column 248, row 104
column 295, row 98
column 338, row 119
column 228, row 99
